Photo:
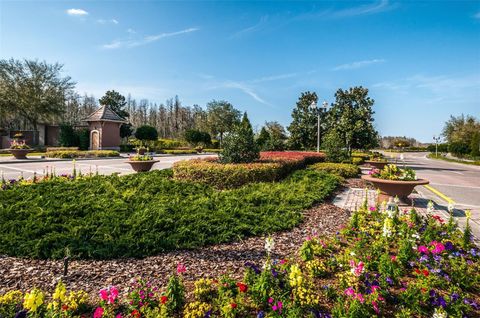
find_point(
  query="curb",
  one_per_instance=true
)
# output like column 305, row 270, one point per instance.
column 47, row 160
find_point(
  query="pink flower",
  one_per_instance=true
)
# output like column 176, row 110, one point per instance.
column 372, row 208
column 375, row 307
column 375, row 287
column 118, row 316
column 98, row 312
column 438, row 247
column 270, row 300
column 113, row 294
column 350, row 291
column 103, row 294
column 423, row 249
column 181, row 268
column 274, row 307
column 360, row 298
column 393, row 258
column 309, row 238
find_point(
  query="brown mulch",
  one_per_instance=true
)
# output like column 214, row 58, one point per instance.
column 211, row 261
column 358, row 183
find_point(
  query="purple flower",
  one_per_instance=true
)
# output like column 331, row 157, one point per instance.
column 389, row 280
column 474, row 252
column 260, row 314
column 21, row 314
column 454, row 296
column 253, row 267
column 448, row 246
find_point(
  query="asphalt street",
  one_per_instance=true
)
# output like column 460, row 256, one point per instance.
column 456, row 181
column 105, row 166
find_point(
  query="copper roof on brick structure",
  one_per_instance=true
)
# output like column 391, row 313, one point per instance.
column 104, row 113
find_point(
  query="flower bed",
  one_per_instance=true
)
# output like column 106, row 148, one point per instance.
column 145, row 214
column 272, row 166
column 386, row 263
column 344, row 170
column 82, row 154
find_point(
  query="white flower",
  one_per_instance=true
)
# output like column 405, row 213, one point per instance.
column 451, row 207
column 269, row 244
column 352, row 253
column 439, row 313
column 430, row 207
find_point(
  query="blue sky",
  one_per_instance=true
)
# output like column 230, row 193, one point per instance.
column 420, row 60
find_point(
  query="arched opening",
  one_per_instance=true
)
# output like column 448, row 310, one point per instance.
column 94, row 140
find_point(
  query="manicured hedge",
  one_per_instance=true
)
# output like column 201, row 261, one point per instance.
column 82, row 154
column 179, row 151
column 342, row 169
column 273, row 166
column 147, row 213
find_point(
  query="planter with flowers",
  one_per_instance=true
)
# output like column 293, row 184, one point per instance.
column 141, row 163
column 377, row 163
column 394, row 182
column 19, row 149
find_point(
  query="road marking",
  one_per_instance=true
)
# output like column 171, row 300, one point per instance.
column 440, row 194
column 22, row 170
column 457, row 172
column 454, row 185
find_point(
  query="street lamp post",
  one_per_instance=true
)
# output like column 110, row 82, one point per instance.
column 437, row 139
column 319, row 110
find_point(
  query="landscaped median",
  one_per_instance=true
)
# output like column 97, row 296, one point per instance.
column 147, row 213
column 383, row 263
column 272, row 166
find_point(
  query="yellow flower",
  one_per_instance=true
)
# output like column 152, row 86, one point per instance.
column 196, row 309
column 295, row 276
column 60, row 292
column 468, row 213
column 33, row 300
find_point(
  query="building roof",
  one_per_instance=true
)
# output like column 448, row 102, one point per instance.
column 104, row 113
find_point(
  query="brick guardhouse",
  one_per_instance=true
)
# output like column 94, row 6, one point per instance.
column 104, row 125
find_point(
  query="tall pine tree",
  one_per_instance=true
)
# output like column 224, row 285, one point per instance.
column 239, row 145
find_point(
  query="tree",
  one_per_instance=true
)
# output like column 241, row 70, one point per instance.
column 195, row 137
column 239, row 145
column 117, row 103
column 33, row 90
column 263, row 138
column 461, row 129
column 278, row 136
column 475, row 144
column 334, row 146
column 351, row 116
column 146, row 132
column 303, row 129
column 222, row 117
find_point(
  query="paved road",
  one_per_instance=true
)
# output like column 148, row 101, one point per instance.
column 105, row 166
column 459, row 182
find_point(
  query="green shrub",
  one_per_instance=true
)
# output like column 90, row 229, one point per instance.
column 82, row 154
column 50, row 149
column 227, row 176
column 83, row 139
column 147, row 213
column 344, row 170
column 239, row 145
column 335, row 148
column 357, row 160
column 179, row 151
column 146, row 132
column 67, row 136
column 212, row 150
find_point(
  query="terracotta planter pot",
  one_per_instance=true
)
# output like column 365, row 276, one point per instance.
column 142, row 166
column 392, row 188
column 20, row 153
column 377, row 164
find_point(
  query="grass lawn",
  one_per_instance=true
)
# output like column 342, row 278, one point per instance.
column 432, row 156
column 144, row 214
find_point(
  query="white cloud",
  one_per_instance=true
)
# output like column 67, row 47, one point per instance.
column 477, row 16
column 263, row 21
column 116, row 44
column 103, row 21
column 77, row 12
column 131, row 31
column 359, row 64
column 274, row 77
column 377, row 7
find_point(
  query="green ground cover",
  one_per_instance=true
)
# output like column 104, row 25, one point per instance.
column 148, row 213
column 440, row 157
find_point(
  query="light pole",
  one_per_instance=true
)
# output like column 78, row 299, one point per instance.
column 437, row 139
column 319, row 110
